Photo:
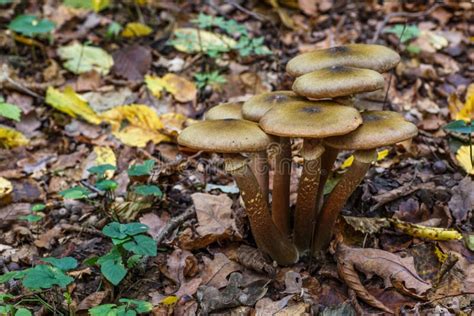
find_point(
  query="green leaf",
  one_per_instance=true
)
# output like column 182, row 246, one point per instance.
column 138, row 305
column 133, row 260
column 23, row 312
column 4, row 297
column 44, row 276
column 80, row 58
column 11, row 275
column 30, row 25
column 96, row 5
column 75, row 193
column 135, row 228
column 38, row 207
column 3, row 2
column 460, row 126
column 106, row 185
column 103, row 310
column 10, row 111
column 141, row 245
column 113, row 29
column 65, row 264
column 113, row 270
column 405, row 34
column 115, row 230
column 31, row 218
column 122, row 311
column 101, row 169
column 142, row 169
column 147, row 190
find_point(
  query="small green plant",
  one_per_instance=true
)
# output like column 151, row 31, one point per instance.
column 130, row 245
column 404, row 32
column 34, row 216
column 128, row 307
column 113, row 30
column 30, row 25
column 213, row 78
column 11, row 309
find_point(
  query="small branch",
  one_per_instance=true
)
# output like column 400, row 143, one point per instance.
column 241, row 8
column 174, row 223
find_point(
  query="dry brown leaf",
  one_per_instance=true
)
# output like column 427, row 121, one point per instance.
column 266, row 306
column 132, row 62
column 176, row 268
column 92, row 300
column 155, row 223
column 47, row 239
column 462, row 200
column 216, row 271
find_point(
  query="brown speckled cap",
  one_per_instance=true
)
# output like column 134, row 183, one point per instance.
column 375, row 57
column 379, row 128
column 308, row 119
column 255, row 107
column 231, row 110
column 337, row 81
column 224, row 136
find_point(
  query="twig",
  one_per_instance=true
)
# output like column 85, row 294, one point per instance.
column 79, row 229
column 174, row 223
column 245, row 10
column 390, row 16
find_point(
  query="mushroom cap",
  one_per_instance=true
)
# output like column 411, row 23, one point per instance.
column 308, row 119
column 337, row 81
column 379, row 128
column 225, row 136
column 255, row 107
column 375, row 57
column 230, row 110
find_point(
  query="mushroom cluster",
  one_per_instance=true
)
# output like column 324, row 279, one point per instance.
column 322, row 112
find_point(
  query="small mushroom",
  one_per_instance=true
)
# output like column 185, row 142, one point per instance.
column 379, row 128
column 230, row 110
column 233, row 137
column 311, row 121
column 375, row 57
column 253, row 110
column 337, row 81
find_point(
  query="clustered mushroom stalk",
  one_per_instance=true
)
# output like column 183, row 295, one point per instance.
column 326, row 127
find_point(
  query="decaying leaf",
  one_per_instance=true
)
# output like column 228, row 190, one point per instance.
column 182, row 89
column 92, row 300
column 463, row 156
column 176, row 268
column 217, row 270
column 460, row 111
column 6, row 187
column 81, row 58
column 191, row 40
column 10, row 137
column 132, row 62
column 367, row 225
column 462, row 200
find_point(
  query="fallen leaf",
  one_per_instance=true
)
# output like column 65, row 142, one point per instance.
column 367, row 225
column 464, row 158
column 191, row 40
column 176, row 267
column 154, row 222
column 80, row 58
column 293, row 282
column 92, row 300
column 72, row 104
column 462, row 199
column 182, row 89
column 103, row 101
column 308, row 7
column 217, row 270
column 105, row 155
column 460, row 111
column 10, row 137
column 132, row 62
column 135, row 29
column 266, row 306
column 88, row 81
column 6, row 187
column 13, row 211
column 348, row 162
column 48, row 238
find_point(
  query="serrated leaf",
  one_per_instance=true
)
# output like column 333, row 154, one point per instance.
column 79, row 58
column 10, row 111
column 135, row 29
column 147, row 190
column 141, row 245
column 72, row 104
column 75, row 193
column 30, row 25
column 64, row 264
column 10, row 137
column 141, row 169
column 45, row 277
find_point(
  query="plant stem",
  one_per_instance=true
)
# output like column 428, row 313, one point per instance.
column 307, row 194
column 267, row 236
column 338, row 198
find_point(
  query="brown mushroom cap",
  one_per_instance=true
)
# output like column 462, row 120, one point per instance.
column 255, row 107
column 375, row 57
column 224, row 136
column 337, row 81
column 231, row 110
column 308, row 119
column 380, row 128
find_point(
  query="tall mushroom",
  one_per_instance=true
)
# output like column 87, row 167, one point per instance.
column 379, row 128
column 311, row 121
column 233, row 137
column 253, row 110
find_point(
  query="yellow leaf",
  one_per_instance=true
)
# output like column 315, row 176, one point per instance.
column 105, row 155
column 99, row 5
column 348, row 162
column 460, row 111
column 72, row 104
column 382, row 154
column 6, row 187
column 440, row 254
column 11, row 138
column 191, row 40
column 182, row 89
column 169, row 300
column 463, row 156
column 135, row 29
column 135, row 124
column 431, row 233
column 173, row 122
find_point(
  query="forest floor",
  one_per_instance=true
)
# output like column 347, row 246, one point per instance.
column 67, row 74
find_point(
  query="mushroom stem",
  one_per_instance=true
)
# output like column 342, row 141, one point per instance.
column 260, row 167
column 327, row 161
column 281, row 186
column 267, row 236
column 305, row 212
column 338, row 198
